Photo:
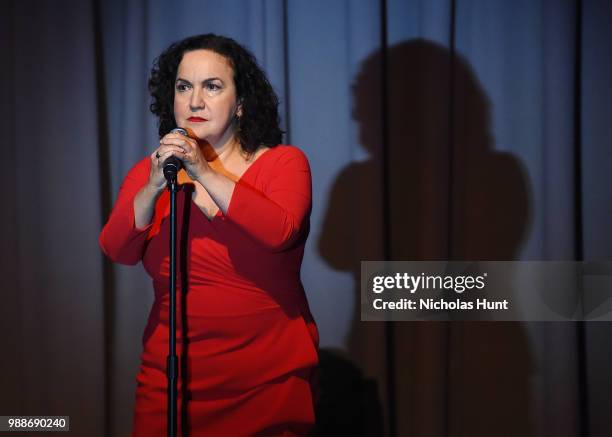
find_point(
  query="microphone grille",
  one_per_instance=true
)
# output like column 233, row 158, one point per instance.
column 179, row 130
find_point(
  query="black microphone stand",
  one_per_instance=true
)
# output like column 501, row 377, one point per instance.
column 172, row 360
column 171, row 169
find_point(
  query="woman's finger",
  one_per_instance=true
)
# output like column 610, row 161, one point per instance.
column 163, row 155
column 167, row 149
column 178, row 140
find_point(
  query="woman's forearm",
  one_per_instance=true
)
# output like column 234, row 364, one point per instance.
column 219, row 187
column 144, row 205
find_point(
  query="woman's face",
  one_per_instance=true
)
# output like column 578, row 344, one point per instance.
column 205, row 98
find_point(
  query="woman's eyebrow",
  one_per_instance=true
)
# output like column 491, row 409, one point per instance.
column 179, row 79
column 213, row 78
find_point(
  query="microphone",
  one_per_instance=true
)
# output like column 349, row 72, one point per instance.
column 173, row 165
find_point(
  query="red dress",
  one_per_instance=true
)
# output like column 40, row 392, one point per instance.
column 251, row 342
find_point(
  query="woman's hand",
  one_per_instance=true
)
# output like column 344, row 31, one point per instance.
column 184, row 148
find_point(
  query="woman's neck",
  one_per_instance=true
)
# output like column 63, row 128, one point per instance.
column 222, row 156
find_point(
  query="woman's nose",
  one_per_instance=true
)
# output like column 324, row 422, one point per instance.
column 196, row 102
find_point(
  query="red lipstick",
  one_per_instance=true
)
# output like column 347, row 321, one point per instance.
column 196, row 119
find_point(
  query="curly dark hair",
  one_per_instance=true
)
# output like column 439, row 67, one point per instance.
column 259, row 122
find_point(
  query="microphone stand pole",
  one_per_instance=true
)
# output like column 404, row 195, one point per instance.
column 172, row 359
column 172, row 166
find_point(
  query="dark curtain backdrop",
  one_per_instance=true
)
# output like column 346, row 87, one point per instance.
column 435, row 129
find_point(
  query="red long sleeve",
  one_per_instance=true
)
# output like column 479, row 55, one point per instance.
column 120, row 240
column 277, row 216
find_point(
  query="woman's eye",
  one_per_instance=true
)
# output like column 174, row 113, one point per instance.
column 182, row 87
column 212, row 87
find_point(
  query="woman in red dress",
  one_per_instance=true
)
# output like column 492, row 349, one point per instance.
column 248, row 342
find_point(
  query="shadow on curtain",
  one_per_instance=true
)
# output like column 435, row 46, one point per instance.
column 450, row 196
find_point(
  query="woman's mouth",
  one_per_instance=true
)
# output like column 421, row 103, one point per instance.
column 196, row 119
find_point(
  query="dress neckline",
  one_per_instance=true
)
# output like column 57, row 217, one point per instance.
column 265, row 152
column 240, row 179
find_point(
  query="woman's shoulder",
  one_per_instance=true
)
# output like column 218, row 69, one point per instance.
column 143, row 164
column 139, row 170
column 286, row 153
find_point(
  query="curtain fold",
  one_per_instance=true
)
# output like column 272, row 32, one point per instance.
column 52, row 277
